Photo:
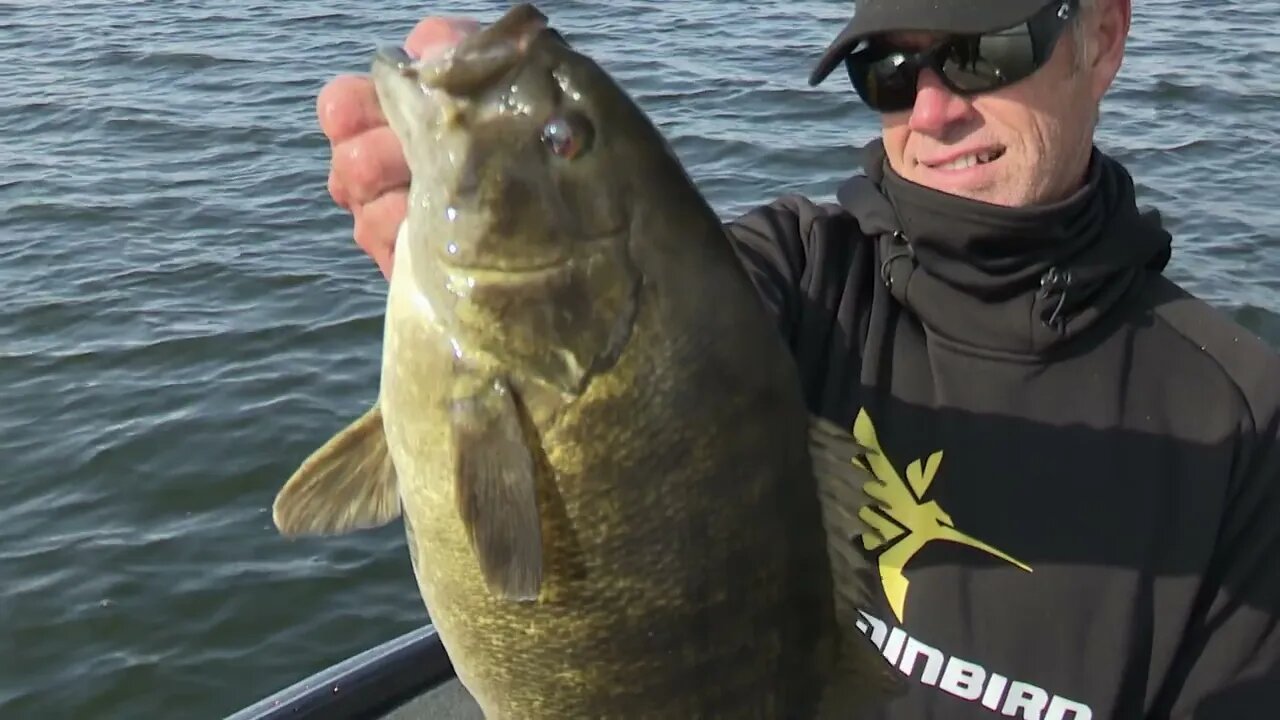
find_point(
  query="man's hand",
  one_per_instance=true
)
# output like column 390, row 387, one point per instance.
column 367, row 172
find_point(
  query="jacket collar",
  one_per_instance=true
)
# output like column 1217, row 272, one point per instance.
column 1008, row 280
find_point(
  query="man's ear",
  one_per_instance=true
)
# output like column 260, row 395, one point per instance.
column 1109, row 26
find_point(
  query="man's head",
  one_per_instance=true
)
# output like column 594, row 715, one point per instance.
column 1022, row 143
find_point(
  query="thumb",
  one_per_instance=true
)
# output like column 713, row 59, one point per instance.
column 436, row 34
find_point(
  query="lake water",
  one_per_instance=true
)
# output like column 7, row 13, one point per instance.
column 183, row 315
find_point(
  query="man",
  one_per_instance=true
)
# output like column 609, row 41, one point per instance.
column 1079, row 462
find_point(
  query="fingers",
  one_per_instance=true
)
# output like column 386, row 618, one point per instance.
column 347, row 109
column 347, row 106
column 366, row 166
column 377, row 223
column 369, row 165
column 368, row 175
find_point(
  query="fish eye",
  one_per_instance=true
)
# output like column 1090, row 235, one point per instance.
column 568, row 136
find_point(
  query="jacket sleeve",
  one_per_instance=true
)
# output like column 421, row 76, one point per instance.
column 773, row 242
column 1229, row 662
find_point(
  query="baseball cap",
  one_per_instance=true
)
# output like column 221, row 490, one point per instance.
column 966, row 17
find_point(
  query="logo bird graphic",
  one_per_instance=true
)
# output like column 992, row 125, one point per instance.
column 903, row 521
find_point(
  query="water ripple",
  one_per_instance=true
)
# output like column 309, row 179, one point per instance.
column 183, row 317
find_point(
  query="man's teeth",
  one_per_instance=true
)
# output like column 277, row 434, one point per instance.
column 969, row 161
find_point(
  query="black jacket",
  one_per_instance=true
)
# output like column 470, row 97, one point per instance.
column 1082, row 460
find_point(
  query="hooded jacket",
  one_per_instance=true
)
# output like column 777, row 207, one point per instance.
column 1078, row 462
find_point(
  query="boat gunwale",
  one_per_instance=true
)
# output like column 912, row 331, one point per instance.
column 369, row 685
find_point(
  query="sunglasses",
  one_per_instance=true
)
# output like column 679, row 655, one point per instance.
column 887, row 78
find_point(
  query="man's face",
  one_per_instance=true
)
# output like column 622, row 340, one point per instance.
column 1039, row 131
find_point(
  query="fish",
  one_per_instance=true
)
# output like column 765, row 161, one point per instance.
column 615, row 500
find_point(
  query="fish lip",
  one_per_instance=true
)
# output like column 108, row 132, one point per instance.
column 465, row 280
column 547, row 268
column 557, row 266
column 395, row 58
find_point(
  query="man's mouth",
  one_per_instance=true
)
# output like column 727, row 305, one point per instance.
column 970, row 160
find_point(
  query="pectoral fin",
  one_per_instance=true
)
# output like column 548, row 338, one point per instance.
column 496, row 490
column 861, row 678
column 347, row 484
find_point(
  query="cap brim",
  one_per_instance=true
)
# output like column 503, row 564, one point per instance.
column 980, row 16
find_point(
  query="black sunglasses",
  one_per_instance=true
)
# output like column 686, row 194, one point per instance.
column 886, row 78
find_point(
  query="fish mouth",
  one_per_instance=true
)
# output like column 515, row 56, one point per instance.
column 437, row 102
column 396, row 58
column 548, row 267
column 478, row 60
column 528, row 282
column 552, row 269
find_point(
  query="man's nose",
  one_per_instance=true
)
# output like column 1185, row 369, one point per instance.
column 936, row 107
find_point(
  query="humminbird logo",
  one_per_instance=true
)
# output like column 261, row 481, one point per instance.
column 903, row 520
column 968, row 680
column 905, row 524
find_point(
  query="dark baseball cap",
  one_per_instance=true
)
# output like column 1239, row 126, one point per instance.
column 966, row 17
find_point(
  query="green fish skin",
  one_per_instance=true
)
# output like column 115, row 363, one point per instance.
column 616, row 502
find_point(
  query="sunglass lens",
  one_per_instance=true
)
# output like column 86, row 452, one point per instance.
column 886, row 83
column 985, row 63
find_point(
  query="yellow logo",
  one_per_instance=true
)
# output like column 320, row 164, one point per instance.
column 905, row 522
